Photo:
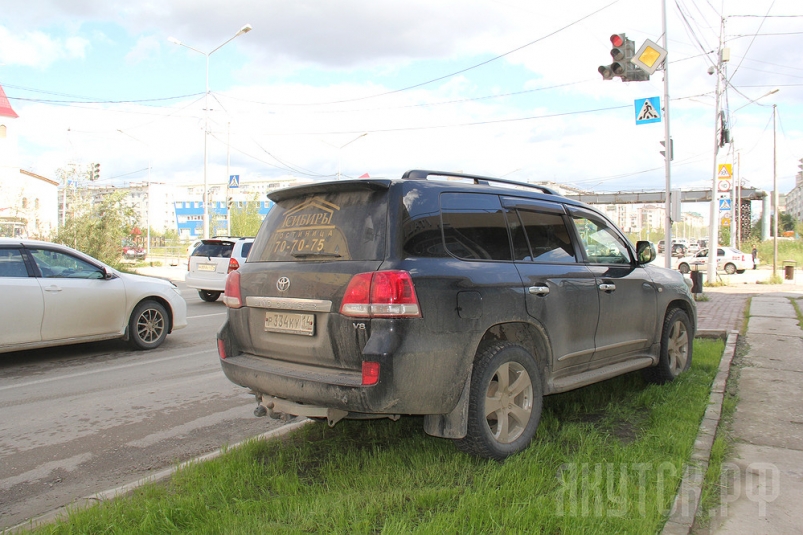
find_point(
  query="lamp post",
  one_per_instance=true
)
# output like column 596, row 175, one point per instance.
column 148, row 192
column 340, row 148
column 244, row 29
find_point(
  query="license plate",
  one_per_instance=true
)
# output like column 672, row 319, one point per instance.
column 207, row 267
column 281, row 322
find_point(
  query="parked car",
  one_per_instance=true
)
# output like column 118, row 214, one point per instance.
column 464, row 301
column 211, row 261
column 661, row 246
column 54, row 295
column 133, row 251
column 729, row 260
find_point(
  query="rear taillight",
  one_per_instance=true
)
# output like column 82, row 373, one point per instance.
column 381, row 294
column 370, row 373
column 221, row 348
column 233, row 265
column 231, row 295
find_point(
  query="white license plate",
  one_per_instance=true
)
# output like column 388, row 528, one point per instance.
column 281, row 322
column 207, row 267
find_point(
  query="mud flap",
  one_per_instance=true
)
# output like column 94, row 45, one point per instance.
column 454, row 424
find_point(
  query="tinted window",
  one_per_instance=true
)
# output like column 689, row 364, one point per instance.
column 11, row 263
column 214, row 249
column 246, row 249
column 601, row 243
column 541, row 237
column 337, row 225
column 474, row 226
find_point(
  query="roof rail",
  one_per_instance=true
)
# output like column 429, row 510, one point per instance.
column 419, row 174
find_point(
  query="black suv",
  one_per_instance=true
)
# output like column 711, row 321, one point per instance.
column 461, row 298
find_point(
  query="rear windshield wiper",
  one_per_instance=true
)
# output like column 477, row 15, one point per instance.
column 316, row 255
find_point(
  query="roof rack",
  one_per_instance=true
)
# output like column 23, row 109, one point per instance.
column 419, row 174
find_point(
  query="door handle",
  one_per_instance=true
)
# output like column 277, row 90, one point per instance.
column 538, row 290
column 607, row 287
column 52, row 288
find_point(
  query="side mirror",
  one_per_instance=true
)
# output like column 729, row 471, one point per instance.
column 645, row 251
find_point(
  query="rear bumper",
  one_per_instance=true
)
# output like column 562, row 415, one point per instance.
column 200, row 283
column 414, row 378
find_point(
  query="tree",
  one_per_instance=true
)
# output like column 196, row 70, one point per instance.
column 98, row 227
column 246, row 219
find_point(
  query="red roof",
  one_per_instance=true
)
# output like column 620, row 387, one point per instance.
column 5, row 106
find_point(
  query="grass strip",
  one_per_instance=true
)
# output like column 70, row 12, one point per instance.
column 606, row 459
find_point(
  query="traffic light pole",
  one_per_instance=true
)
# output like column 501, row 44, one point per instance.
column 667, row 156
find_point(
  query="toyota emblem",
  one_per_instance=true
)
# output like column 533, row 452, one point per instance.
column 283, row 284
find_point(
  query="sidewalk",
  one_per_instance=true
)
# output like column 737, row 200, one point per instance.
column 763, row 481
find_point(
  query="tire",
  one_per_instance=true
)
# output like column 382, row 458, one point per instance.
column 676, row 348
column 684, row 268
column 730, row 269
column 208, row 295
column 501, row 424
column 148, row 325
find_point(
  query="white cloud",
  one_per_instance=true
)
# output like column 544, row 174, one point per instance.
column 38, row 49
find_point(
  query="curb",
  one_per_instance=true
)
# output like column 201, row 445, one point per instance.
column 128, row 488
column 687, row 501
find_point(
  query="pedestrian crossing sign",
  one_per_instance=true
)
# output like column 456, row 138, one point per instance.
column 234, row 181
column 648, row 110
column 724, row 204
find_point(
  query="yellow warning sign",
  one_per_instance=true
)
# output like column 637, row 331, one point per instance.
column 725, row 171
column 726, row 221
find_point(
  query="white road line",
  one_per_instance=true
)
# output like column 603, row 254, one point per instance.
column 206, row 315
column 236, row 413
column 43, row 470
column 107, row 369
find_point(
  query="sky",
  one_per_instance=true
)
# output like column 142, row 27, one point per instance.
column 505, row 88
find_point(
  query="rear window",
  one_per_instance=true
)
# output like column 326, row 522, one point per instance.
column 339, row 225
column 214, row 249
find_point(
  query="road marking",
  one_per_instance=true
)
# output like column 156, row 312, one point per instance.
column 206, row 315
column 236, row 413
column 44, row 470
column 106, row 369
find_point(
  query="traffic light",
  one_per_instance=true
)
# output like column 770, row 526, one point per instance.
column 94, row 173
column 229, row 202
column 622, row 53
column 619, row 54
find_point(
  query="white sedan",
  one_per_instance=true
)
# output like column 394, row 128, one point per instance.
column 729, row 260
column 54, row 295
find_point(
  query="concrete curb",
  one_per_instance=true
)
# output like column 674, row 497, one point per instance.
column 687, row 501
column 123, row 490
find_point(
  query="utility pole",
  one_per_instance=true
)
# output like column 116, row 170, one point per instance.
column 774, row 195
column 713, row 229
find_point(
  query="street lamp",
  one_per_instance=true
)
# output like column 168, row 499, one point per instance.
column 341, row 147
column 148, row 193
column 244, row 29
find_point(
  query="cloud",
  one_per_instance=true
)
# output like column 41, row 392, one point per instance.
column 39, row 50
column 147, row 48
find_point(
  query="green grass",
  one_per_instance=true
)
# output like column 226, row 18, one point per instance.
column 606, row 459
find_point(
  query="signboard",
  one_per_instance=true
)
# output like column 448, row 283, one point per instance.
column 234, row 181
column 648, row 110
column 725, row 171
column 650, row 56
column 724, row 204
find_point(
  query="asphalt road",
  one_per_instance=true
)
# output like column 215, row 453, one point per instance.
column 82, row 419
